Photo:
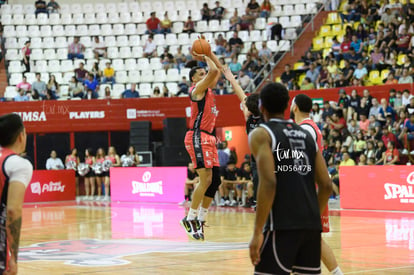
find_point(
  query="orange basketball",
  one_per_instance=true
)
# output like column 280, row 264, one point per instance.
column 201, row 46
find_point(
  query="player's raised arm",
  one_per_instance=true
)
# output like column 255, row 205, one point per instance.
column 323, row 180
column 236, row 87
column 260, row 146
column 205, row 83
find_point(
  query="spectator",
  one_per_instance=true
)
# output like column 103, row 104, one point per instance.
column 235, row 66
column 220, row 43
column 312, row 73
column 107, row 93
column 130, row 93
column 108, row 74
column 183, row 87
column 99, row 49
column 39, row 88
column 205, row 12
column 348, row 70
column 353, row 127
column 388, row 136
column 53, row 6
column 95, row 71
column 244, row 80
column 40, row 6
column 356, row 44
column 228, row 182
column 387, row 17
column 347, row 160
column 341, row 81
column 252, row 10
column 180, row 58
column 362, row 160
column 323, row 78
column 360, row 72
column 253, row 51
column 307, row 84
column 354, row 100
column 91, row 84
column 218, row 11
column 190, row 183
column 336, row 47
column 363, row 123
column 409, row 109
column 26, row 51
column 189, row 26
column 327, row 111
column 390, row 79
column 22, row 95
column 167, row 59
column 221, row 89
column 288, row 77
column 236, row 44
column 24, row 85
column 156, row 92
column 76, row 49
column 391, row 155
column 403, row 42
column 54, row 163
column 406, row 97
column 375, row 109
column 336, row 121
column 153, row 24
column 316, row 115
column 150, row 48
column 265, row 53
column 345, row 46
column 53, row 87
column 75, row 88
column 165, row 24
column 405, row 78
column 376, row 57
column 266, row 9
column 165, row 91
column 235, row 21
column 360, row 144
column 80, row 73
column 249, row 65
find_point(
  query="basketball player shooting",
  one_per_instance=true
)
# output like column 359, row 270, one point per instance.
column 287, row 228
column 300, row 108
column 200, row 141
column 16, row 173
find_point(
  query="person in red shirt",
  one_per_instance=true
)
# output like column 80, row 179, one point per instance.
column 391, row 156
column 153, row 24
column 387, row 136
column 345, row 45
column 403, row 41
column 301, row 108
column 200, row 143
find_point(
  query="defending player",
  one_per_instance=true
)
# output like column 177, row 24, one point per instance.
column 253, row 118
column 301, row 107
column 15, row 175
column 287, row 232
column 200, row 144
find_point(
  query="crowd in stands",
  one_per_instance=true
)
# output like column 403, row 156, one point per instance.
column 86, row 83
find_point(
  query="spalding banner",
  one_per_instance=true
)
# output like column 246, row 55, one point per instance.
column 377, row 187
column 148, row 184
column 51, row 185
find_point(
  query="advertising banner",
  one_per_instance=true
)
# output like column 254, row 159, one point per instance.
column 148, row 184
column 377, row 187
column 51, row 185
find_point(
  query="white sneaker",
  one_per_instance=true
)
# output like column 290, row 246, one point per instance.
column 107, row 198
column 227, row 203
column 412, row 152
column 183, row 202
column 233, row 203
column 222, row 202
column 404, row 152
column 98, row 198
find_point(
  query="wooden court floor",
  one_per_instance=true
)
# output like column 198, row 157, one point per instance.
column 131, row 238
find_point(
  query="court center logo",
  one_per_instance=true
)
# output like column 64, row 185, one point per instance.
column 404, row 192
column 147, row 188
column 93, row 253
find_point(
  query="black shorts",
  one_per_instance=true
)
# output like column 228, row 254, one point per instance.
column 289, row 251
column 104, row 174
column 90, row 174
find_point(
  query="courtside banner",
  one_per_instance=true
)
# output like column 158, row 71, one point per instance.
column 377, row 187
column 51, row 185
column 148, row 184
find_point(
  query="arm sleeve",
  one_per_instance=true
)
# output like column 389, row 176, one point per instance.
column 19, row 169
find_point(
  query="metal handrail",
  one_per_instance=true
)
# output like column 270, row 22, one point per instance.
column 273, row 65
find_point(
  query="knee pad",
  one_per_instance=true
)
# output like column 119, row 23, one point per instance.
column 215, row 183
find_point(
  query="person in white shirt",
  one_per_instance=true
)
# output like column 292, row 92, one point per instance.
column 54, row 163
column 99, row 48
column 406, row 97
column 150, row 48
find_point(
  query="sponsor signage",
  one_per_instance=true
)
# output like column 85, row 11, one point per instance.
column 51, row 185
column 148, row 184
column 377, row 187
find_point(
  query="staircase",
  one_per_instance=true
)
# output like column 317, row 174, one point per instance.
column 302, row 44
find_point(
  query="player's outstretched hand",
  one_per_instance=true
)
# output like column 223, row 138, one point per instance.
column 199, row 57
column 228, row 73
column 254, row 246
